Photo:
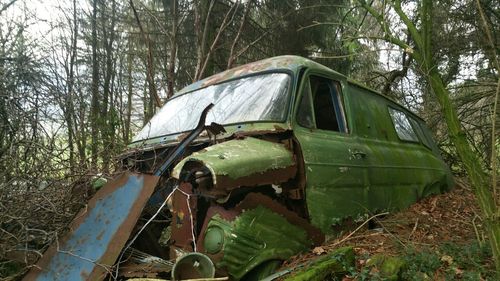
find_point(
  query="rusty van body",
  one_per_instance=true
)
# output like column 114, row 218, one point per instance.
column 297, row 149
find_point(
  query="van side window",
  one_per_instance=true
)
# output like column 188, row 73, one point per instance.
column 324, row 112
column 420, row 133
column 305, row 113
column 402, row 126
column 328, row 110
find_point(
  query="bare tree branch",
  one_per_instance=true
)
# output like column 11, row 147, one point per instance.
column 232, row 58
column 225, row 23
column 150, row 71
column 6, row 6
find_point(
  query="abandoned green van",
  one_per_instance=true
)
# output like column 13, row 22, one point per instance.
column 291, row 150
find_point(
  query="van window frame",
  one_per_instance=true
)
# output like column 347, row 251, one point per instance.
column 337, row 98
column 417, row 127
column 305, row 94
column 417, row 139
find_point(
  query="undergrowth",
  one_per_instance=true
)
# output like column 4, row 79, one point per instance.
column 449, row 261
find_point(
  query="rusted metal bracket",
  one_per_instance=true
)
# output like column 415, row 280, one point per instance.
column 172, row 156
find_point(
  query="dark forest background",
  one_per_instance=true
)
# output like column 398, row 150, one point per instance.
column 75, row 88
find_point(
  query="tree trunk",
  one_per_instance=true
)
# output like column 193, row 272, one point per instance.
column 173, row 47
column 232, row 53
column 126, row 137
column 70, row 110
column 150, row 72
column 95, row 105
column 81, row 132
column 107, row 120
column 201, row 11
column 478, row 178
column 423, row 56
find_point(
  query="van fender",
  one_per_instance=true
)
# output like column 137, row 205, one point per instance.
column 238, row 162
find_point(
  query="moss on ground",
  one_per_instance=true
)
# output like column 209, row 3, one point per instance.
column 339, row 262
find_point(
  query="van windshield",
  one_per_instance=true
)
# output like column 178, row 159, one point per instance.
column 255, row 98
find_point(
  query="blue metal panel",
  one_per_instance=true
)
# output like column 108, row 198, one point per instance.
column 99, row 233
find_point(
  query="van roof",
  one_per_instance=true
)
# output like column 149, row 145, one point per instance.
column 288, row 62
column 364, row 87
column 291, row 63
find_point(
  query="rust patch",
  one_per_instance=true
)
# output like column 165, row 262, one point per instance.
column 244, row 134
column 279, row 128
column 182, row 136
column 183, row 213
column 99, row 237
column 84, row 275
column 268, row 177
column 228, row 215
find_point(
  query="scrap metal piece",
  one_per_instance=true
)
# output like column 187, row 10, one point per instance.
column 140, row 264
column 215, row 128
column 252, row 233
column 98, row 233
column 253, row 200
column 254, row 236
column 183, row 218
column 193, row 266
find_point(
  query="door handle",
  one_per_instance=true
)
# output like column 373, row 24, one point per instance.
column 358, row 154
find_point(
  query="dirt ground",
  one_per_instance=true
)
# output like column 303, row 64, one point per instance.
column 452, row 217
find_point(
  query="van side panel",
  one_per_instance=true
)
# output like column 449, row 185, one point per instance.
column 400, row 172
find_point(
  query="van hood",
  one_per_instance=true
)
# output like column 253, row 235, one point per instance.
column 242, row 162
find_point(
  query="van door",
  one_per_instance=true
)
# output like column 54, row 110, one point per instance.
column 335, row 163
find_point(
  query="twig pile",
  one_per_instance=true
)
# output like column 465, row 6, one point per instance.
column 31, row 217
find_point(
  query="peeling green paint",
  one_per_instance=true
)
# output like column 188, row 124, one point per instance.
column 240, row 157
column 256, row 236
